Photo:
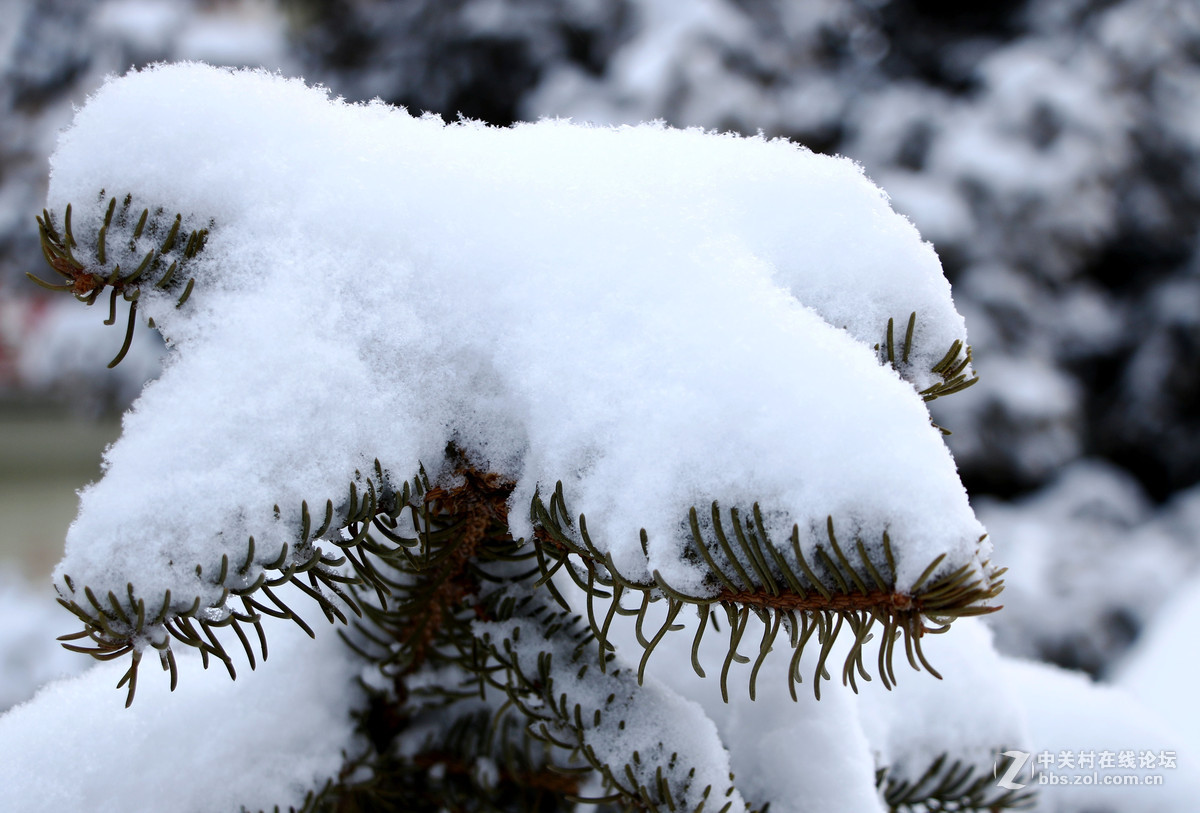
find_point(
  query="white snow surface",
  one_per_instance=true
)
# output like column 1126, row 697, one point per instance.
column 1062, row 546
column 1160, row 669
column 969, row 715
column 658, row 318
column 29, row 655
column 215, row 745
column 1069, row 715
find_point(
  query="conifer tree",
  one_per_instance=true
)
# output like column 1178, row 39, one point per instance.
column 571, row 559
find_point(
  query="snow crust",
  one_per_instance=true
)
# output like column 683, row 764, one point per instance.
column 659, row 318
column 215, row 745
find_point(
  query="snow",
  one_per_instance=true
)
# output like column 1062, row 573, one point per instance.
column 1064, row 544
column 803, row 755
column 669, row 732
column 68, row 346
column 809, row 755
column 657, row 317
column 1069, row 714
column 1028, row 414
column 919, row 720
column 1159, row 669
column 1055, row 139
column 29, row 655
column 215, row 745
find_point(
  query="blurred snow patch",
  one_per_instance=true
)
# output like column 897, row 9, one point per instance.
column 1160, row 670
column 29, row 654
column 67, row 350
column 1090, row 560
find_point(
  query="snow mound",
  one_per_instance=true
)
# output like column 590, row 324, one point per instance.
column 658, row 318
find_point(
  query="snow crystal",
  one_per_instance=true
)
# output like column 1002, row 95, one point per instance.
column 659, row 318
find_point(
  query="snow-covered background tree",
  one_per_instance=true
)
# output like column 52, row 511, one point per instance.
column 1046, row 150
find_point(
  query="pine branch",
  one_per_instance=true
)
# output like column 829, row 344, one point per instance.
column 115, row 626
column 120, row 239
column 548, row 674
column 417, row 593
column 459, row 566
column 416, row 579
column 948, row 786
column 433, row 583
column 747, row 573
column 485, row 762
column 462, row 553
column 952, row 368
column 422, row 592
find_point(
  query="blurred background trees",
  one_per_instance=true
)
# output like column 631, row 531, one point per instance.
column 1048, row 150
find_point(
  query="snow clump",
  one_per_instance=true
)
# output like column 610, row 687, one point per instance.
column 658, row 318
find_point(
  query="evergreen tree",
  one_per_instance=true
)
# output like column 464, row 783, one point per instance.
column 512, row 647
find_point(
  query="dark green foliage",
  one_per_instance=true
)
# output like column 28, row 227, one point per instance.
column 557, row 719
column 113, row 625
column 450, row 563
column 461, row 567
column 451, row 774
